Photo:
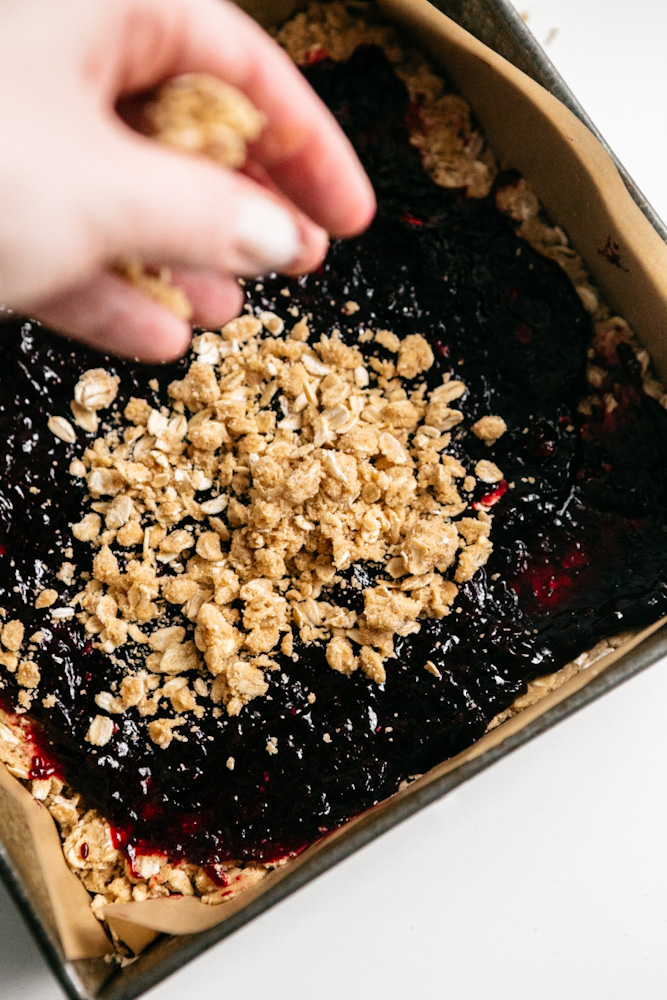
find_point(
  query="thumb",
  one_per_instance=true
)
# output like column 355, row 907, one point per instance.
column 173, row 207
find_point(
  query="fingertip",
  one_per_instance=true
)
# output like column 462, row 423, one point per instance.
column 153, row 335
column 359, row 212
column 366, row 212
column 329, row 186
column 215, row 298
column 313, row 240
column 314, row 247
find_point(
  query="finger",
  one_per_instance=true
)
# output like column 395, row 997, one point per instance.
column 112, row 316
column 314, row 239
column 215, row 299
column 173, row 208
column 314, row 246
column 302, row 146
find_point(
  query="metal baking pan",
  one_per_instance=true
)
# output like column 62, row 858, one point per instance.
column 496, row 23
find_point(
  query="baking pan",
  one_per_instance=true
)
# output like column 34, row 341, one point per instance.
column 496, row 23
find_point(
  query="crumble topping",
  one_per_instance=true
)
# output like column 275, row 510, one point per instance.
column 101, row 731
column 236, row 509
column 46, row 598
column 489, row 429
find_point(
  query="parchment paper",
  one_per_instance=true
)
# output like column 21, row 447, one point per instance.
column 582, row 191
column 31, row 838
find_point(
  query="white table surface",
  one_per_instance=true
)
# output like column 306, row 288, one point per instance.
column 544, row 877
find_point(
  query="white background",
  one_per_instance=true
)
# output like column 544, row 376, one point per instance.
column 545, row 877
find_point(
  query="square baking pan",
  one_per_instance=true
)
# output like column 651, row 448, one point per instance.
column 496, row 23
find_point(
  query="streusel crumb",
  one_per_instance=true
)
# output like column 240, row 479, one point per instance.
column 196, row 113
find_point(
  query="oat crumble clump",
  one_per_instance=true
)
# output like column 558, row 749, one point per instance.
column 489, row 429
column 203, row 114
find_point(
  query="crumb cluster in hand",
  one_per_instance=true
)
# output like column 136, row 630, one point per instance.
column 200, row 114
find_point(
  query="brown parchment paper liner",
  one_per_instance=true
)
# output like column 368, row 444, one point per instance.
column 30, row 835
column 582, row 191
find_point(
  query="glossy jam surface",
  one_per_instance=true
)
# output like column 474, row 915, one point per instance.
column 580, row 524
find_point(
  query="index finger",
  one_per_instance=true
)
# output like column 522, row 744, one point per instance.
column 302, row 147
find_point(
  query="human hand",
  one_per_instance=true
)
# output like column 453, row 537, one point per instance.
column 79, row 189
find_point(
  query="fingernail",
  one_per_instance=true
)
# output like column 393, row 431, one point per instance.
column 267, row 234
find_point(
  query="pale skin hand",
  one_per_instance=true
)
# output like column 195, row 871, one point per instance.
column 79, row 189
